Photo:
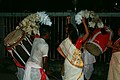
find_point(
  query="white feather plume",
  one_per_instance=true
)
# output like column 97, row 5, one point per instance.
column 95, row 20
column 30, row 23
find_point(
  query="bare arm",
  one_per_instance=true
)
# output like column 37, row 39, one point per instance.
column 45, row 63
column 86, row 29
column 45, row 66
column 114, row 47
column 61, row 52
column 109, row 44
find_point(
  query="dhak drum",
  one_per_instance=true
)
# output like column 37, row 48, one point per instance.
column 19, row 46
column 97, row 42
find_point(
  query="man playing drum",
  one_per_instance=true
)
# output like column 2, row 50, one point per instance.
column 36, row 66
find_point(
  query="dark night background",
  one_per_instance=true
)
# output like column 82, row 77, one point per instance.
column 58, row 5
column 101, row 67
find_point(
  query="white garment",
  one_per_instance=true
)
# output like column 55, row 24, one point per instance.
column 70, row 72
column 88, row 59
column 39, row 50
column 34, row 63
column 20, row 73
column 28, row 69
column 114, row 67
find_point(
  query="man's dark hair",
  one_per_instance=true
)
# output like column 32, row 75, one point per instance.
column 44, row 29
column 103, row 31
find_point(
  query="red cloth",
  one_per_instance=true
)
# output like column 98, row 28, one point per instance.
column 43, row 74
column 9, row 48
column 79, row 43
column 15, row 61
column 18, row 64
column 33, row 37
column 37, row 36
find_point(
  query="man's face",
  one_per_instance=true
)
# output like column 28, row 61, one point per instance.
column 47, row 36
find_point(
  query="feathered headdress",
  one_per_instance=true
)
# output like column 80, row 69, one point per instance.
column 31, row 22
column 95, row 20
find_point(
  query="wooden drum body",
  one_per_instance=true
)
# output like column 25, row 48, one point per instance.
column 19, row 46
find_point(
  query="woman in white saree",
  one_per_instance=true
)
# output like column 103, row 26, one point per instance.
column 71, row 72
column 68, row 49
column 114, row 66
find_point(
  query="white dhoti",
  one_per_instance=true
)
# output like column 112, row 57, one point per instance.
column 88, row 59
column 34, row 72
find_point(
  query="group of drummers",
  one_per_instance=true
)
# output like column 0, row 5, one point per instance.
column 96, row 43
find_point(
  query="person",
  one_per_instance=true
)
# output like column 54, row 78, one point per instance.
column 87, row 57
column 89, row 60
column 114, row 65
column 36, row 67
column 67, row 49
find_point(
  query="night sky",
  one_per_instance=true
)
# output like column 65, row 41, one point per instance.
column 55, row 5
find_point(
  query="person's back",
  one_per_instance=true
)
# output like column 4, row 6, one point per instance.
column 68, row 50
column 39, row 46
column 37, row 62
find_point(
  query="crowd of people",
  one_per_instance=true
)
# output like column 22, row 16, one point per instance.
column 68, row 47
column 78, row 61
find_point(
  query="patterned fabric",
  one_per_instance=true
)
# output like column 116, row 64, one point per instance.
column 71, row 72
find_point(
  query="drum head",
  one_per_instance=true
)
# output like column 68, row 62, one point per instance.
column 14, row 38
column 93, row 49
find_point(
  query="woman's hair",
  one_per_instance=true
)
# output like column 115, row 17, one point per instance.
column 72, row 32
